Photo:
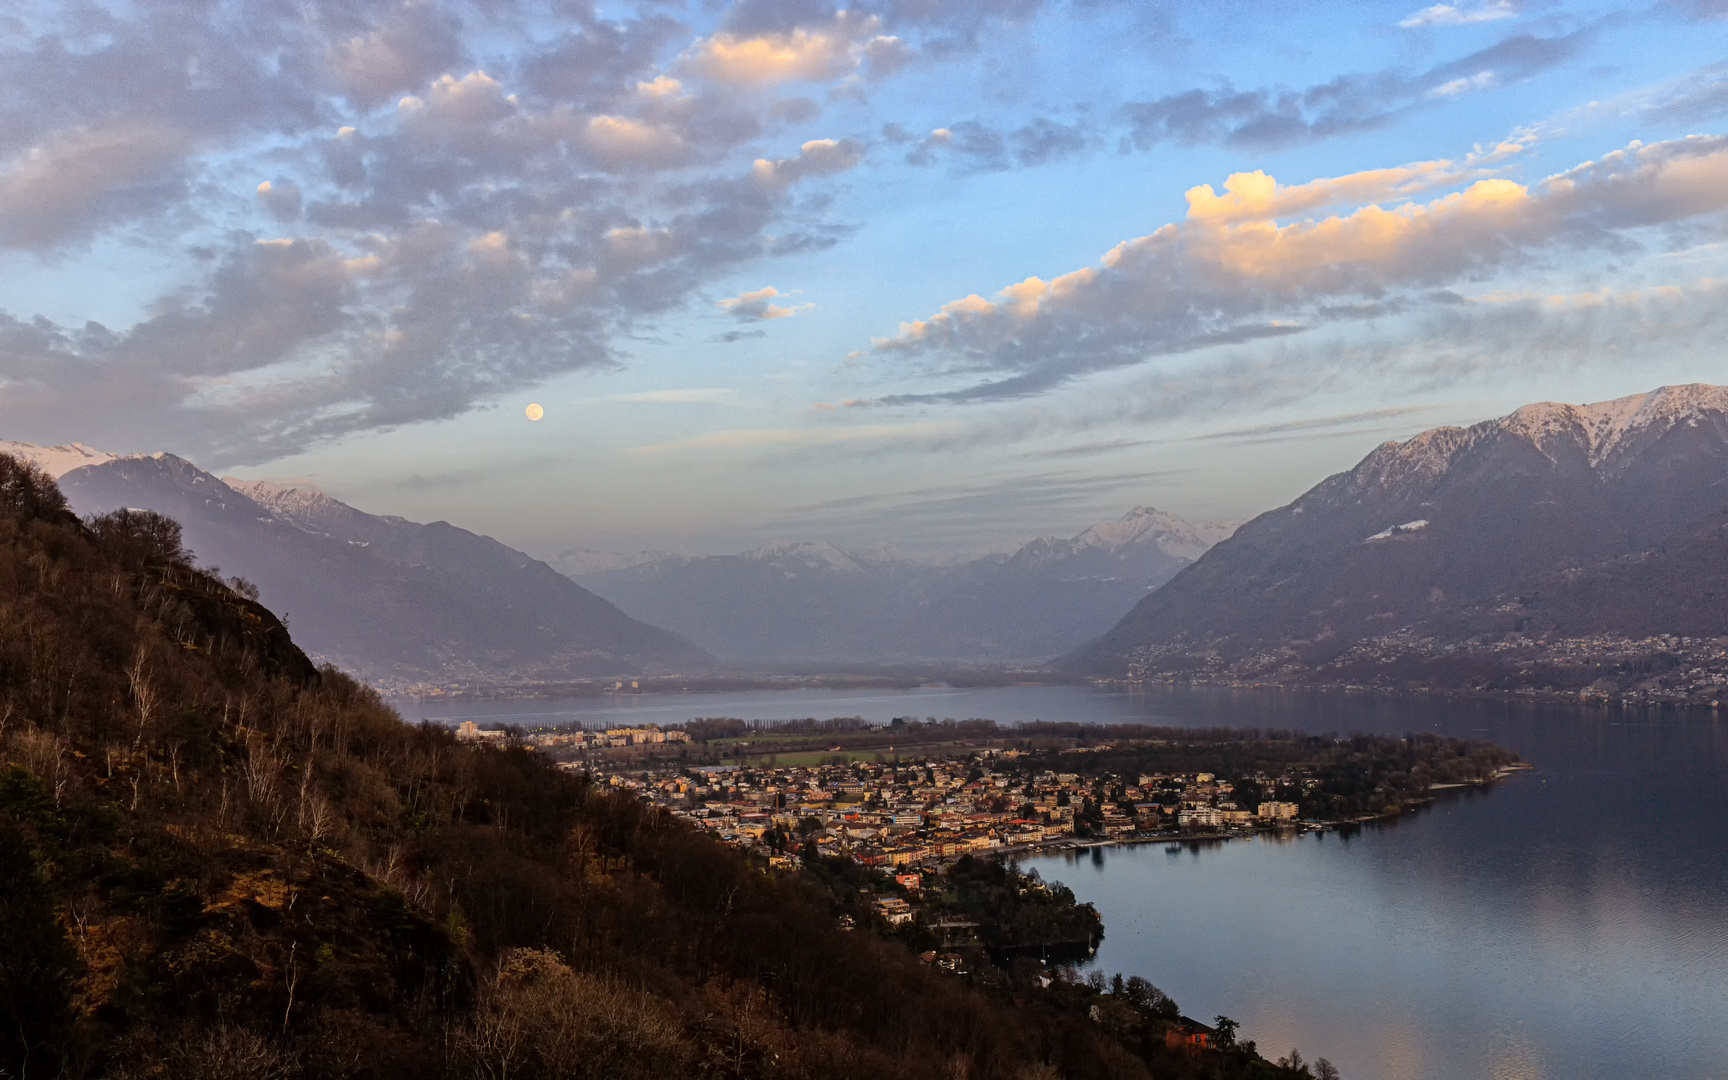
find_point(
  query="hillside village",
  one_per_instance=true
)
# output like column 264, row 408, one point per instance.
column 1661, row 670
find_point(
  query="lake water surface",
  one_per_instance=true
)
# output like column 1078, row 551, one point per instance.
column 1569, row 924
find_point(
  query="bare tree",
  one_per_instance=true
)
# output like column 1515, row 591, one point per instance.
column 143, row 692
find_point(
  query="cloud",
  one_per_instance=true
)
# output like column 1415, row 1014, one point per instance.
column 774, row 439
column 1700, row 96
column 1450, row 15
column 59, row 188
column 1232, row 273
column 1482, row 80
column 1320, row 423
column 281, row 198
column 833, row 49
column 621, row 143
column 1093, row 449
column 818, row 157
column 707, row 396
column 755, row 306
column 973, row 147
column 1495, row 345
column 1268, row 118
column 413, row 43
column 381, row 229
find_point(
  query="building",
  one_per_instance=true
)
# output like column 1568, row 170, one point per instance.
column 895, row 910
column 1188, row 1033
column 1202, row 815
column 1278, row 811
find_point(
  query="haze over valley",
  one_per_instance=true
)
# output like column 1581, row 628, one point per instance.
column 1558, row 547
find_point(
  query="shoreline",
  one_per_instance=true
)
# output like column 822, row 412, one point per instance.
column 668, row 687
column 1297, row 828
column 1531, row 696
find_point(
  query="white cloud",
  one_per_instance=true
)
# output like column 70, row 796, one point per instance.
column 1482, row 80
column 1452, row 15
column 755, row 306
column 1232, row 272
column 823, row 53
column 622, row 143
column 818, row 157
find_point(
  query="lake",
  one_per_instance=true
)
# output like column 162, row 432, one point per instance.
column 1569, row 924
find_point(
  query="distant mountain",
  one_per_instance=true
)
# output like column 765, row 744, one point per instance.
column 56, row 460
column 1557, row 519
column 393, row 601
column 815, row 601
column 576, row 561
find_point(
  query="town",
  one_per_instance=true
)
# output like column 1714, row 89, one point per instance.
column 1603, row 669
column 1033, row 788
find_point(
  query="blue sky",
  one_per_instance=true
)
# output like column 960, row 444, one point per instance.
column 941, row 275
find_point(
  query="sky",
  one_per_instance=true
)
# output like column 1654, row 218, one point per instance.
column 940, row 275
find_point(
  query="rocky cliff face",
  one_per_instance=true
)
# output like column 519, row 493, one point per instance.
column 1494, row 528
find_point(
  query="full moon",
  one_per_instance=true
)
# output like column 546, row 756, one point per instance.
column 535, row 412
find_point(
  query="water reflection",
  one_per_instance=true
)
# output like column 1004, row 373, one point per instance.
column 1570, row 923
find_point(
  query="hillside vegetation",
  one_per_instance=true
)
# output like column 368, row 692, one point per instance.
column 219, row 861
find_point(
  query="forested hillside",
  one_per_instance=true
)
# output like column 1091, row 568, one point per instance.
column 219, row 861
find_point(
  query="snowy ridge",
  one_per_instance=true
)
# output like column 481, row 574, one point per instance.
column 57, row 461
column 577, row 561
column 1141, row 527
column 1604, row 434
column 1145, row 524
column 306, row 508
column 1610, row 426
column 292, row 501
column 817, row 553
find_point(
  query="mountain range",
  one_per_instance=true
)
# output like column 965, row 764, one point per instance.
column 394, row 601
column 1556, row 520
column 818, row 602
column 401, row 603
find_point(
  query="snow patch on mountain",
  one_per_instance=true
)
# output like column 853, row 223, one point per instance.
column 1398, row 530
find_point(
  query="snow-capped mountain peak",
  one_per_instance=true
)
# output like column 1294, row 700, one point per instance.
column 1607, row 428
column 57, row 461
column 1604, row 437
column 288, row 499
column 815, row 553
column 577, row 561
column 1146, row 524
column 305, row 507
